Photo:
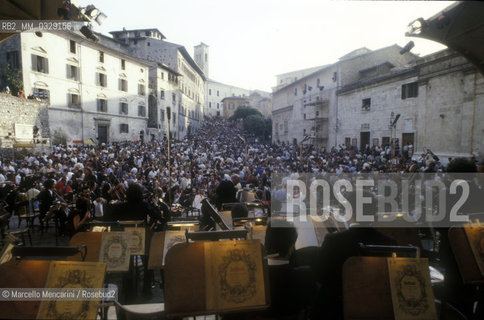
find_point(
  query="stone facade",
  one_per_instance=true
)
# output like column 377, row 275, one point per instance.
column 306, row 108
column 95, row 91
column 216, row 92
column 262, row 101
column 164, row 97
column 231, row 104
column 439, row 99
column 149, row 44
column 27, row 113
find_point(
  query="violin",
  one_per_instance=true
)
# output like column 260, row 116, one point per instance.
column 117, row 192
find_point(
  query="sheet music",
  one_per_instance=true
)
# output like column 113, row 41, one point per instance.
column 137, row 238
column 64, row 274
column 234, row 275
column 115, row 251
column 412, row 294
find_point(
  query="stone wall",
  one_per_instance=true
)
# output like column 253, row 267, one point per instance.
column 15, row 110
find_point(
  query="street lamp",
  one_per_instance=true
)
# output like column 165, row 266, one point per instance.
column 168, row 117
column 246, row 146
column 393, row 125
column 306, row 137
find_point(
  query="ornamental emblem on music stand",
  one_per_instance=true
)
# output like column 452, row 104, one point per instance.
column 237, row 276
column 412, row 295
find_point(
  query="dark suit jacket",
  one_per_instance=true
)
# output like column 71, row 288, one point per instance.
column 225, row 193
column 291, row 288
column 335, row 250
column 130, row 211
column 45, row 201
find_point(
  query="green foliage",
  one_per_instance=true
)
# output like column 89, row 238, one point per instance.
column 12, row 78
column 243, row 112
column 258, row 126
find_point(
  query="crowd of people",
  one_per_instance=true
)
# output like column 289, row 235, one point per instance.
column 137, row 181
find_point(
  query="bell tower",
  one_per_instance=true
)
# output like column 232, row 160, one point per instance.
column 201, row 57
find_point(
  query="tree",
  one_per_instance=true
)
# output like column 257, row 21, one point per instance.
column 243, row 112
column 255, row 125
column 12, row 78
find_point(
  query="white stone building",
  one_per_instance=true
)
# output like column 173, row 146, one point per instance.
column 163, row 99
column 287, row 78
column 216, row 92
column 439, row 99
column 307, row 108
column 95, row 91
column 149, row 44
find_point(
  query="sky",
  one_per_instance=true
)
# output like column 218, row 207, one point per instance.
column 252, row 41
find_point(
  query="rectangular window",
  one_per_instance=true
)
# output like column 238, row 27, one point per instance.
column 210, row 105
column 42, row 94
column 209, row 92
column 40, row 64
column 101, row 56
column 13, row 60
column 375, row 142
column 231, row 106
column 72, row 72
column 141, row 89
column 162, row 75
column 217, row 105
column 162, row 115
column 123, row 64
column 217, row 93
column 141, row 111
column 123, row 85
column 348, row 141
column 410, row 90
column 102, row 105
column 74, row 100
column 123, row 128
column 123, row 108
column 385, row 141
column 174, row 117
column 162, row 94
column 366, row 104
column 72, row 46
column 295, row 91
column 101, row 80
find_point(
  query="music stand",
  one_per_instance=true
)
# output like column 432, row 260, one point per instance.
column 466, row 261
column 191, row 285
column 213, row 216
column 51, row 252
column 216, row 235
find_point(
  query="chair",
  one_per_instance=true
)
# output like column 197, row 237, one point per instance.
column 125, row 313
column 448, row 312
column 4, row 222
column 22, row 209
column 14, row 235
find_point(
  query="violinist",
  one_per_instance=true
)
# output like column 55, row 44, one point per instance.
column 116, row 190
column 80, row 216
column 46, row 199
